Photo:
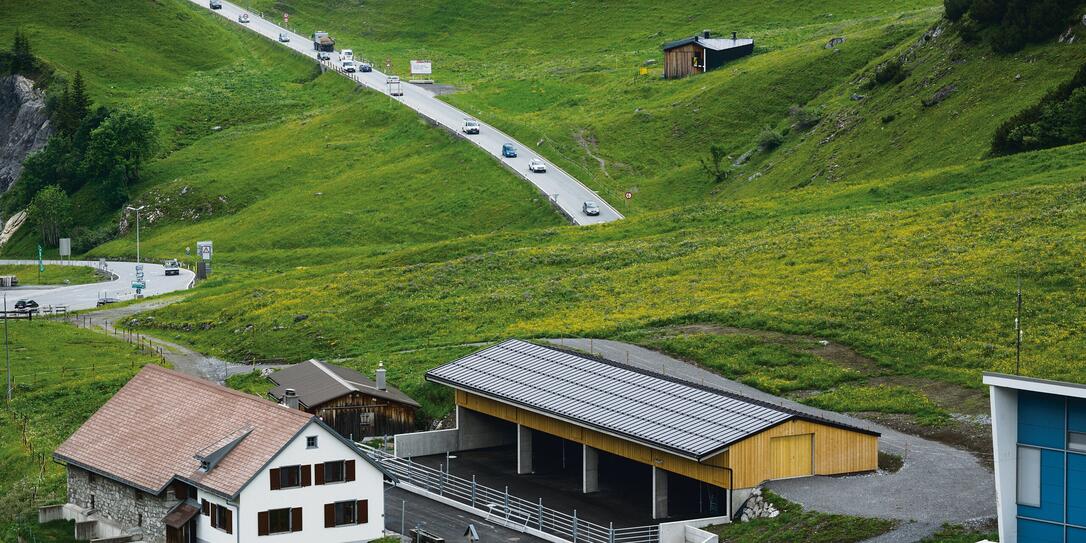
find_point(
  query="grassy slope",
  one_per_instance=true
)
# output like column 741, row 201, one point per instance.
column 795, row 524
column 62, row 375
column 53, row 274
column 566, row 74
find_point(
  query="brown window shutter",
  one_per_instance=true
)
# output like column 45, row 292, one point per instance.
column 275, row 481
column 229, row 521
column 296, row 519
column 262, row 522
column 180, row 490
column 363, row 511
column 206, row 507
column 349, row 468
column 307, row 479
column 329, row 515
column 319, row 475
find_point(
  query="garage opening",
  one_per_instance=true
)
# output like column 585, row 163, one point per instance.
column 689, row 498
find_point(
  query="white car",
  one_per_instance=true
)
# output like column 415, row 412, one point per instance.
column 346, row 54
column 324, row 55
column 470, row 126
column 284, row 37
column 537, row 166
column 349, row 67
column 243, row 17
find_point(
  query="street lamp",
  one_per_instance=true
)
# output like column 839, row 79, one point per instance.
column 137, row 210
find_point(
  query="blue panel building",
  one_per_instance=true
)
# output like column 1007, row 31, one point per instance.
column 1039, row 438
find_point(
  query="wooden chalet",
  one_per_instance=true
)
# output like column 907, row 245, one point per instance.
column 702, row 53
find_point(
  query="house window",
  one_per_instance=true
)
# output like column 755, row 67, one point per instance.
column 334, row 472
column 290, row 476
column 311, row 442
column 279, row 520
column 345, row 513
column 1029, row 476
column 220, row 517
column 1076, row 441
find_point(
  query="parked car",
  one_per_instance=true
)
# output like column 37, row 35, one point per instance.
column 590, row 208
column 365, row 66
column 509, row 151
column 26, row 306
column 284, row 37
column 537, row 166
column 346, row 54
column 107, row 300
column 215, row 4
column 243, row 17
column 349, row 67
column 470, row 126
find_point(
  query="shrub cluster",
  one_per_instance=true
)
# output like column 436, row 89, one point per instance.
column 1058, row 119
column 1013, row 23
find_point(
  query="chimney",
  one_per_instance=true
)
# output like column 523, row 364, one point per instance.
column 290, row 398
column 705, row 34
column 381, row 376
column 734, row 36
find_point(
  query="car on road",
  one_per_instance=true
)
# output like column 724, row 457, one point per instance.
column 284, row 37
column 591, row 208
column 470, row 126
column 107, row 300
column 243, row 17
column 509, row 151
column 173, row 267
column 215, row 4
column 537, row 166
column 346, row 54
column 26, row 306
column 365, row 66
column 324, row 55
column 349, row 67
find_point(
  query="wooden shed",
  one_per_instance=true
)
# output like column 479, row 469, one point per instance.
column 702, row 53
column 352, row 404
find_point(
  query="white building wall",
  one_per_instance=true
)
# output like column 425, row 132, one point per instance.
column 257, row 496
column 204, row 532
column 1005, row 447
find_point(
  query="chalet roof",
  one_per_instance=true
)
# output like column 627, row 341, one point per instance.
column 162, row 423
column 318, row 382
column 645, row 407
column 716, row 44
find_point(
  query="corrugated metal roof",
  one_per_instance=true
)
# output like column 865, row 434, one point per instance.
column 658, row 411
column 716, row 44
column 318, row 382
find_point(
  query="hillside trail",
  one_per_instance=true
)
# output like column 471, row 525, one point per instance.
column 182, row 358
column 936, row 484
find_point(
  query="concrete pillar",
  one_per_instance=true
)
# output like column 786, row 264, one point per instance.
column 590, row 470
column 659, row 493
column 524, row 450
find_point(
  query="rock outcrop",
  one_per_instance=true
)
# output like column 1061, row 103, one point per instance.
column 24, row 126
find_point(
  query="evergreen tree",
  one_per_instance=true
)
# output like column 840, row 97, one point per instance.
column 22, row 61
column 80, row 101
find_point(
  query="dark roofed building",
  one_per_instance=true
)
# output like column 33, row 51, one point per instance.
column 526, row 394
column 348, row 401
column 701, row 53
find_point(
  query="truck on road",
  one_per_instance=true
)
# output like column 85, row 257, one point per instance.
column 323, row 42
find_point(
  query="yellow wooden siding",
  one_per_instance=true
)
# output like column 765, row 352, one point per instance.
column 835, row 450
column 709, row 471
column 790, row 456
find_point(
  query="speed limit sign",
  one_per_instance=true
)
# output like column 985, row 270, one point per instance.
column 629, row 195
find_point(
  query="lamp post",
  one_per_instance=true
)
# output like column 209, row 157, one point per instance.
column 137, row 210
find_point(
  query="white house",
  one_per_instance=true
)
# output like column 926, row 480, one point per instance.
column 180, row 460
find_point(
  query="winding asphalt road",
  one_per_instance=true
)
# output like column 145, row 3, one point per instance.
column 564, row 191
column 937, row 484
column 78, row 297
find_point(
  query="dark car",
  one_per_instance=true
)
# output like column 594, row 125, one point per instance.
column 509, row 151
column 26, row 306
column 215, row 4
column 106, row 301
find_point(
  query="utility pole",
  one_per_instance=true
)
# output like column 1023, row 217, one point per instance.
column 1018, row 330
column 137, row 210
column 7, row 355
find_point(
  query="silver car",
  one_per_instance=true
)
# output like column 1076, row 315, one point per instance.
column 243, row 17
column 590, row 208
column 284, row 37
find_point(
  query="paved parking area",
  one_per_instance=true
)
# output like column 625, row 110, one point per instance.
column 442, row 520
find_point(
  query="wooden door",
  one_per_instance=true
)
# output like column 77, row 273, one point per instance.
column 792, row 456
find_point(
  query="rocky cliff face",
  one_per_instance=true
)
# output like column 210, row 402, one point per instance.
column 24, row 126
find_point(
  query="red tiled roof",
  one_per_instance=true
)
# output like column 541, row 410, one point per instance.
column 150, row 431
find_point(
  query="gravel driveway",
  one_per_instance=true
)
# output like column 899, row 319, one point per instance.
column 937, row 484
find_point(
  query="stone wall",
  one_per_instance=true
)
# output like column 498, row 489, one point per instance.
column 24, row 125
column 122, row 504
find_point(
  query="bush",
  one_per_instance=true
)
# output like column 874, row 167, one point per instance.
column 1058, row 119
column 85, row 239
column 891, row 72
column 770, row 139
column 955, row 9
column 804, row 117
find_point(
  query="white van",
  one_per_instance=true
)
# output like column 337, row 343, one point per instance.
column 346, row 54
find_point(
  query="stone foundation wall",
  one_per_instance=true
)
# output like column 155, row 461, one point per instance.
column 122, row 504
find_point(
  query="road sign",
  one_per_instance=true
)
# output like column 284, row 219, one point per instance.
column 65, row 246
column 421, row 67
column 41, row 265
column 388, row 63
column 139, row 285
column 286, row 17
column 203, row 248
column 629, row 195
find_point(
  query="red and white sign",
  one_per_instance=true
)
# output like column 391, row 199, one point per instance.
column 286, row 17
column 421, row 67
column 629, row 195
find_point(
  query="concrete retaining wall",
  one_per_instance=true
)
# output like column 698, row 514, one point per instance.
column 689, row 531
column 425, row 443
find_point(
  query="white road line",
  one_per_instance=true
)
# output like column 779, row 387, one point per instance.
column 561, row 188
